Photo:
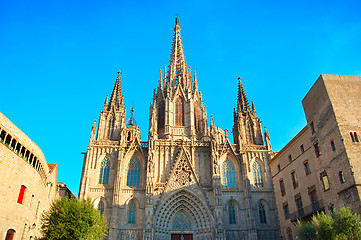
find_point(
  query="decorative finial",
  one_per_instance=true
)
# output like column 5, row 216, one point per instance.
column 239, row 78
column 119, row 73
column 131, row 112
column 176, row 19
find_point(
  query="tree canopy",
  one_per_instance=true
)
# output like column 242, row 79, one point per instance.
column 341, row 225
column 70, row 218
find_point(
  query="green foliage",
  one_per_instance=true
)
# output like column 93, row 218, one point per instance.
column 342, row 225
column 306, row 231
column 70, row 218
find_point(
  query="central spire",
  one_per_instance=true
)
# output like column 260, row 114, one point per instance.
column 242, row 101
column 116, row 99
column 177, row 70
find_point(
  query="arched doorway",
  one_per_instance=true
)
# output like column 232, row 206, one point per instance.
column 10, row 234
column 183, row 216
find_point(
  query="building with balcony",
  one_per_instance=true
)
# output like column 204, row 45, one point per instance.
column 319, row 169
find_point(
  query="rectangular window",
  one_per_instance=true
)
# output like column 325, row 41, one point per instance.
column 313, row 197
column 299, row 207
column 312, row 127
column 279, row 167
column 21, row 194
column 317, row 149
column 282, row 187
column 307, row 167
column 286, row 211
column 333, row 147
column 352, row 138
column 294, row 179
column 302, row 148
column 324, row 179
column 290, row 158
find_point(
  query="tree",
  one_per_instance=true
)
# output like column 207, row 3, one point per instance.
column 341, row 225
column 70, row 218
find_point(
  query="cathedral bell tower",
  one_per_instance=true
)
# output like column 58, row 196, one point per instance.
column 247, row 129
column 112, row 118
column 178, row 110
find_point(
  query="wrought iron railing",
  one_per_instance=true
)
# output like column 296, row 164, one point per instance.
column 307, row 211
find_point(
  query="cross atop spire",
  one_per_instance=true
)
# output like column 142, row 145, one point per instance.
column 116, row 98
column 242, row 102
column 177, row 72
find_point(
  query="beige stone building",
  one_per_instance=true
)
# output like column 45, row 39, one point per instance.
column 188, row 181
column 319, row 169
column 27, row 183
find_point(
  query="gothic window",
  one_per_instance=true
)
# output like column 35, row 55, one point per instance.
column 229, row 174
column 133, row 178
column 197, row 116
column 257, row 174
column 104, row 171
column 262, row 213
column 182, row 222
column 101, row 207
column 161, row 114
column 232, row 214
column 132, row 213
column 250, row 132
column 179, row 112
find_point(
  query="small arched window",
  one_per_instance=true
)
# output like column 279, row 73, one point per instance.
column 257, row 174
column 101, row 207
column 262, row 213
column 133, row 178
column 104, row 171
column 228, row 174
column 10, row 234
column 132, row 213
column 197, row 116
column 179, row 112
column 232, row 214
column 161, row 114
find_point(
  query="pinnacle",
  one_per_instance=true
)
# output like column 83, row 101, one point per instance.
column 116, row 98
column 242, row 102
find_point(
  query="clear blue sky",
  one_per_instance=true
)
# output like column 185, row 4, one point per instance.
column 58, row 61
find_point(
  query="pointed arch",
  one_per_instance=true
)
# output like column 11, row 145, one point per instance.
column 228, row 173
column 104, row 171
column 197, row 116
column 10, row 234
column 161, row 114
column 134, row 172
column 262, row 211
column 132, row 210
column 257, row 174
column 179, row 111
column 101, row 207
column 232, row 212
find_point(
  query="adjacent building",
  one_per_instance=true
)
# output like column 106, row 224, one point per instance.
column 27, row 183
column 319, row 169
column 188, row 181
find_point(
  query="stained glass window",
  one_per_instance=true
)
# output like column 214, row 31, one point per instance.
column 257, row 174
column 179, row 112
column 181, row 222
column 101, row 207
column 133, row 178
column 232, row 214
column 262, row 213
column 229, row 174
column 132, row 212
column 104, row 171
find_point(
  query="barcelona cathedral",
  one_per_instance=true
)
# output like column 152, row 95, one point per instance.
column 188, row 181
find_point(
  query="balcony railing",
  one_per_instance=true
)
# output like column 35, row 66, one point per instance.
column 307, row 211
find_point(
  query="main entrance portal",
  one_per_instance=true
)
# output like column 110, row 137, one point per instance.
column 182, row 237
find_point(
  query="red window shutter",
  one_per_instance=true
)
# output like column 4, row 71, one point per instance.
column 21, row 194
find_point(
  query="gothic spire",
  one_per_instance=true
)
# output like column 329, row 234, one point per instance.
column 177, row 65
column 242, row 102
column 116, row 98
column 195, row 83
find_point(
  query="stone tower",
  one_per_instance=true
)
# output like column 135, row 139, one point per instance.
column 188, row 181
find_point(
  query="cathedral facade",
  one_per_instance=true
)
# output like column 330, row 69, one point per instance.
column 188, row 181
